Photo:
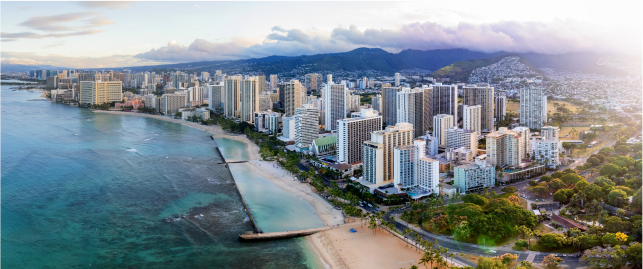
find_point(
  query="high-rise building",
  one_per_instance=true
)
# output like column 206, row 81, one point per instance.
column 393, row 136
column 97, row 92
column 404, row 162
column 232, row 94
column 329, row 78
column 397, row 79
column 306, row 125
column 249, row 98
column 261, row 83
column 352, row 132
column 427, row 175
column 501, row 107
column 505, row 147
column 170, row 103
column 525, row 133
column 546, row 151
column 288, row 131
column 292, row 97
column 376, row 102
column 474, row 176
column 471, row 118
column 353, row 102
column 441, row 123
column 334, row 101
column 461, row 138
column 216, row 96
column 52, row 82
column 373, row 162
column 195, row 96
column 410, row 108
column 533, row 108
column 273, row 82
column 445, row 100
column 389, row 104
column 313, row 82
column 549, row 133
column 432, row 144
column 483, row 96
column 267, row 121
column 265, row 103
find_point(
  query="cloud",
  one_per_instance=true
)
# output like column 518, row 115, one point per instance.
column 31, row 35
column 57, row 44
column 25, row 7
column 71, row 62
column 106, row 4
column 55, row 23
column 556, row 37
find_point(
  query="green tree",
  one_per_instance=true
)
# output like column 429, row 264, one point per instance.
column 560, row 196
column 556, row 184
column 551, row 261
column 617, row 198
column 475, row 199
column 509, row 189
column 609, row 170
column 545, row 179
column 609, row 239
column 589, row 241
column 634, row 255
column 636, row 201
column 532, row 183
column 551, row 240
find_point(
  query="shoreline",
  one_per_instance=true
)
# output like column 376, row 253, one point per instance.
column 280, row 177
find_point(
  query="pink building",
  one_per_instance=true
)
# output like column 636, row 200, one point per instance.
column 135, row 103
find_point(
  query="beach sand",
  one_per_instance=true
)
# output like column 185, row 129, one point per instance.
column 276, row 175
column 339, row 248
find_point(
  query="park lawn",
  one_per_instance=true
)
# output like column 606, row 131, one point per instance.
column 566, row 129
column 551, row 109
column 583, row 153
column 513, row 106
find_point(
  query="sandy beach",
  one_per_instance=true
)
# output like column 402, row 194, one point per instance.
column 267, row 170
column 339, row 248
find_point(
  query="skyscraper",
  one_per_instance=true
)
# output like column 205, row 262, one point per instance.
column 441, row 123
column 389, row 104
column 334, row 100
column 445, row 99
column 306, row 125
column 273, row 82
column 533, row 108
column 471, row 118
column 410, row 108
column 292, row 97
column 97, row 92
column 232, row 103
column 249, row 98
column 505, row 147
column 501, row 107
column 352, row 132
column 483, row 96
column 397, row 79
column 376, row 102
column 313, row 82
column 393, row 136
column 216, row 96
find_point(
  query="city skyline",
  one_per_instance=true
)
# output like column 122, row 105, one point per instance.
column 120, row 34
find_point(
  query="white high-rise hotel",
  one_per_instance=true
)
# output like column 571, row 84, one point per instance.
column 441, row 123
column 471, row 118
column 378, row 152
column 334, row 100
column 533, row 108
column 306, row 125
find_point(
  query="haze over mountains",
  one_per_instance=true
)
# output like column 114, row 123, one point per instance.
column 362, row 59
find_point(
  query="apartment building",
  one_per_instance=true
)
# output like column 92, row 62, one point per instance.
column 533, row 107
column 249, row 90
column 441, row 123
column 352, row 132
column 232, row 103
column 392, row 136
column 461, row 138
column 306, row 126
column 216, row 96
column 334, row 101
column 292, row 97
column 470, row 177
column 170, row 103
column 505, row 147
column 483, row 96
column 97, row 92
column 501, row 107
column 471, row 118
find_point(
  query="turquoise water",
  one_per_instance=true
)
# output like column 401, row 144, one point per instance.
column 81, row 189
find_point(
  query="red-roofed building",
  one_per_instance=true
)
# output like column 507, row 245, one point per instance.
column 567, row 222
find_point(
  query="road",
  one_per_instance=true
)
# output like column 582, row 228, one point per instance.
column 460, row 247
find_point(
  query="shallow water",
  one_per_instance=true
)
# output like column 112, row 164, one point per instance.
column 80, row 188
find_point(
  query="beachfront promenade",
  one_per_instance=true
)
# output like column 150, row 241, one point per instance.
column 282, row 235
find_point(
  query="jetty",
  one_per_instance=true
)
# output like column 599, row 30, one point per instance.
column 250, row 236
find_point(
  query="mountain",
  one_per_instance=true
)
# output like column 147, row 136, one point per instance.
column 460, row 71
column 26, row 68
column 436, row 59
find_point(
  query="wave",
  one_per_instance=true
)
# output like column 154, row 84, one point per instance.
column 132, row 150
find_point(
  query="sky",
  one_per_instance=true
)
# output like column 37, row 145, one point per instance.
column 119, row 34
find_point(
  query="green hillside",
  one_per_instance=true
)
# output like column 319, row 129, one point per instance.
column 460, row 71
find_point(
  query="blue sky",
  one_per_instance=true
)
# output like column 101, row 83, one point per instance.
column 112, row 34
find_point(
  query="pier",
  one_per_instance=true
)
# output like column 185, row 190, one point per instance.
column 279, row 235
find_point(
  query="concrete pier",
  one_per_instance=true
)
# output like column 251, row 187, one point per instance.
column 279, row 235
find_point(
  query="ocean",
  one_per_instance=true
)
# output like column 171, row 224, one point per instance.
column 83, row 190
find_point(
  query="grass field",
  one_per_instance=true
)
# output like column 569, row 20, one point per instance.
column 565, row 131
column 515, row 106
column 582, row 153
